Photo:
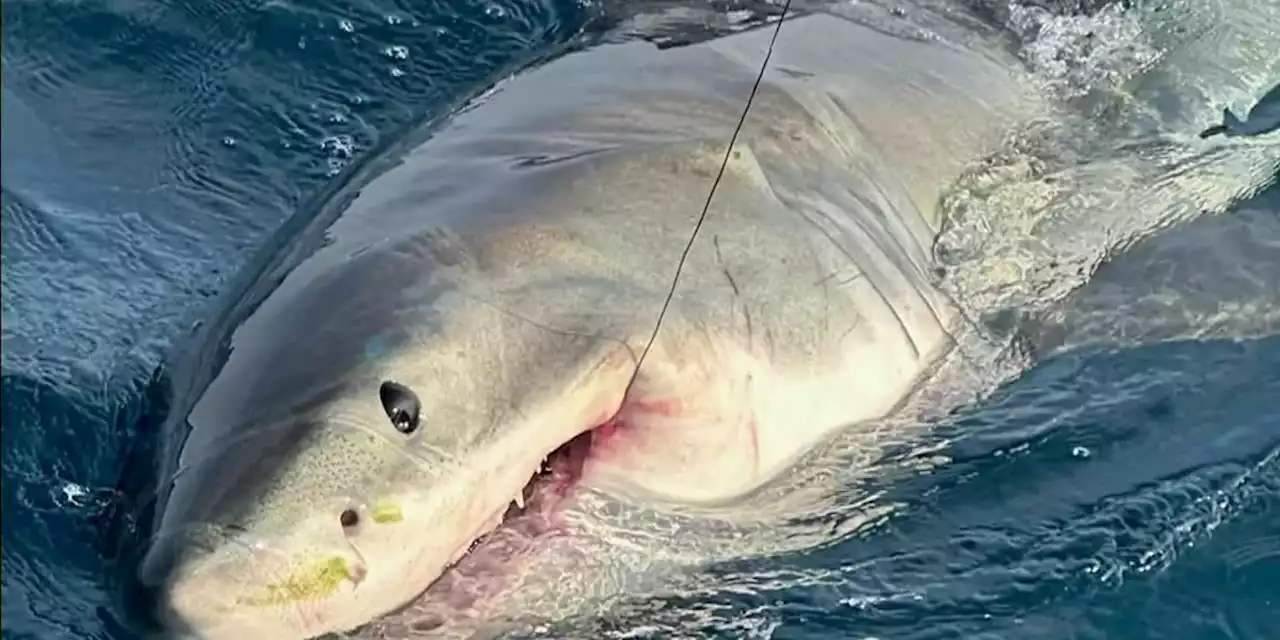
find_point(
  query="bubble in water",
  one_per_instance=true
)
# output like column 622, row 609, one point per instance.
column 339, row 146
column 396, row 52
column 74, row 494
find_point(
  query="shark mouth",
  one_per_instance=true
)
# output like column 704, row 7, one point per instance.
column 483, row 570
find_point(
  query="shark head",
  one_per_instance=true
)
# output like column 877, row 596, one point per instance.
column 340, row 463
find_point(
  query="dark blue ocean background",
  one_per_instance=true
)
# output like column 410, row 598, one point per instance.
column 150, row 145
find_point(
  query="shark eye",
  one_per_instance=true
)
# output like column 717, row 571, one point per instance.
column 401, row 405
column 349, row 518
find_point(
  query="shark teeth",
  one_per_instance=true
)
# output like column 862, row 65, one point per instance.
column 544, row 467
column 498, row 518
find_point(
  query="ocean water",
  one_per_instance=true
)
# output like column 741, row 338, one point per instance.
column 1111, row 491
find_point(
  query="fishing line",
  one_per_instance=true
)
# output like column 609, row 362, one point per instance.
column 675, row 280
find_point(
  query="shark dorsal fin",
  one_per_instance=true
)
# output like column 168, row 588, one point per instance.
column 1230, row 121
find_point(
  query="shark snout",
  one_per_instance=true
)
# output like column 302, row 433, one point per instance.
column 202, row 587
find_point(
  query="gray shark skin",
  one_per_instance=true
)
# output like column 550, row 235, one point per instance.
column 1263, row 118
column 446, row 351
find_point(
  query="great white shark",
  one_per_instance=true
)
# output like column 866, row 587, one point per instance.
column 450, row 347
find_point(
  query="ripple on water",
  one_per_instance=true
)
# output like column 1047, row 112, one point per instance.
column 138, row 103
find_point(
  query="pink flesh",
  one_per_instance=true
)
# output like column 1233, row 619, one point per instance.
column 484, row 571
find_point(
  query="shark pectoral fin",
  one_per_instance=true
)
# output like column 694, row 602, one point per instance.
column 1216, row 129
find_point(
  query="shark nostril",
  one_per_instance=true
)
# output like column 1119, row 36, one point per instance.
column 356, row 573
column 349, row 518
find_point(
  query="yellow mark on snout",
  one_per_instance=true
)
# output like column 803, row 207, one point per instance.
column 385, row 512
column 309, row 582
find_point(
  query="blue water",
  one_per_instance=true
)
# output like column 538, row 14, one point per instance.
column 150, row 145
